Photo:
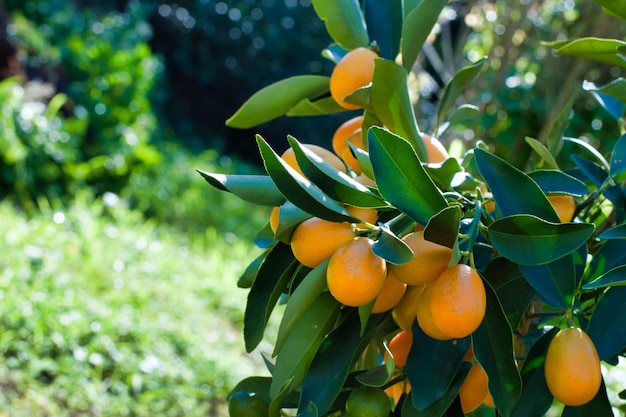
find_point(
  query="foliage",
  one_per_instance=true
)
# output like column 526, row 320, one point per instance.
column 539, row 273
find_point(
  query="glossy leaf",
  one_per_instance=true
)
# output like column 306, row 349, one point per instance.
column 271, row 280
column 535, row 399
column 529, row 240
column 300, row 191
column 581, row 144
column 394, row 162
column 617, row 232
column 334, row 183
column 384, row 25
column 391, row 248
column 249, row 275
column 493, row 349
column 558, row 182
column 618, row 157
column 455, row 87
column 300, row 300
column 607, row 326
column 444, row 174
column 598, row 176
column 554, row 282
column 392, row 103
column 289, row 217
column 599, row 406
column 513, row 190
column 543, row 152
column 606, row 51
column 616, row 8
column 418, row 24
column 440, row 360
column 303, row 341
column 610, row 255
column 443, row 227
column 379, row 375
column 344, row 22
column 460, row 114
column 257, row 189
column 615, row 276
column 319, row 107
column 277, row 99
column 611, row 96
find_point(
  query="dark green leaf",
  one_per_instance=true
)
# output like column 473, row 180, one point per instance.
column 493, row 349
column 289, row 217
column 392, row 104
column 277, row 99
column 379, row 375
column 615, row 276
column 299, row 190
column 587, row 147
column 257, row 189
column 395, row 162
column 455, row 87
column 529, row 240
column 444, row 174
column 616, row 8
column 598, row 176
column 344, row 22
column 606, row 51
column 554, row 137
column 249, row 275
column 618, row 155
column 300, row 300
column 607, row 327
column 554, row 282
column 384, row 24
column 617, row 232
column 322, row 106
column 543, row 152
column 514, row 191
column 611, row 96
column 460, row 114
column 416, row 27
column 536, row 399
column 443, row 227
column 611, row 254
column 292, row 363
column 558, row 182
column 334, row 183
column 599, row 406
column 439, row 360
column 391, row 248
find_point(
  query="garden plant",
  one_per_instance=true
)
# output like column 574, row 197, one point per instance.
column 417, row 281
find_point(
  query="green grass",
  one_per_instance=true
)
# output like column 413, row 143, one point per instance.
column 105, row 314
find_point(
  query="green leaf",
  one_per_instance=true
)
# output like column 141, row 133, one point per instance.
column 617, row 232
column 529, row 240
column 395, row 162
column 391, row 248
column 292, row 363
column 455, row 87
column 554, row 282
column 334, row 183
column 257, row 189
column 611, row 96
column 554, row 137
column 299, row 190
column 590, row 149
column 555, row 181
column 543, row 152
column 607, row 326
column 301, row 299
column 460, row 114
column 277, row 99
column 513, row 190
column 289, row 217
column 320, row 107
column 249, row 275
column 599, row 406
column 344, row 22
column 55, row 104
column 610, row 255
column 443, row 227
column 392, row 104
column 379, row 375
column 598, row 176
column 615, row 276
column 444, row 174
column 271, row 280
column 417, row 25
column 606, row 51
column 536, row 399
column 616, row 8
column 493, row 348
column 440, row 360
column 618, row 157
column 384, row 24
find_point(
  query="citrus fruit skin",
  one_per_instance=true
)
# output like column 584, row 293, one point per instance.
column 435, row 151
column 274, row 218
column 572, row 367
column 355, row 276
column 400, row 345
column 247, row 404
column 367, row 215
column 353, row 71
column 289, row 157
column 429, row 261
column 349, row 132
column 458, row 301
column 404, row 313
column 396, row 390
column 391, row 294
column 316, row 239
column 368, row 402
column 474, row 389
column 425, row 315
column 564, row 205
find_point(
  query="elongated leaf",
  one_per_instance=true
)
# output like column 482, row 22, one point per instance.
column 554, row 137
column 617, row 232
column 384, row 24
column 598, row 176
column 277, row 99
column 395, row 162
column 535, row 399
column 322, row 106
column 334, row 183
column 443, row 227
column 607, row 326
column 440, row 360
column 271, row 280
column 554, row 282
column 529, row 240
column 514, row 191
column 392, row 104
column 590, row 149
column 381, row 374
column 558, row 182
column 599, row 406
column 391, row 248
column 298, row 190
column 249, row 275
column 615, row 276
column 307, row 292
column 618, row 157
column 606, row 51
column 611, row 254
column 611, row 96
column 344, row 22
column 543, row 152
column 455, row 87
column 460, row 114
column 616, row 8
column 257, row 189
column 418, row 24
column 493, row 348
column 303, row 341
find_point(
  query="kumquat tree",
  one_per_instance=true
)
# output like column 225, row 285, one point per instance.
column 417, row 281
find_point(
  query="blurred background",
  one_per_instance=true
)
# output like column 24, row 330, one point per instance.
column 118, row 278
